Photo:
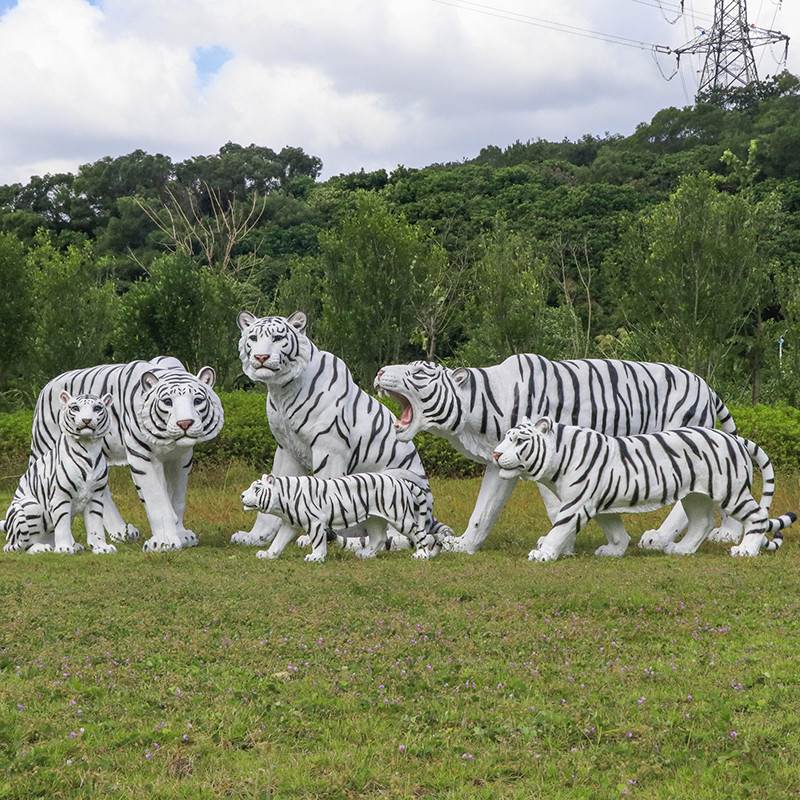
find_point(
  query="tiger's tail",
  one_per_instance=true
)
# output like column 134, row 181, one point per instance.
column 724, row 416
column 777, row 524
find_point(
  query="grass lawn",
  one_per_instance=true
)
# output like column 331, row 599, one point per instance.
column 209, row 673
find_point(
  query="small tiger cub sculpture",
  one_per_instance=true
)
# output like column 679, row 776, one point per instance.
column 593, row 474
column 71, row 478
column 319, row 506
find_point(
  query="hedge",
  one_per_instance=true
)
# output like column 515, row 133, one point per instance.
column 246, row 437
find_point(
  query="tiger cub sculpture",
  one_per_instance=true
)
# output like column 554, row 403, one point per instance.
column 69, row 479
column 318, row 506
column 593, row 474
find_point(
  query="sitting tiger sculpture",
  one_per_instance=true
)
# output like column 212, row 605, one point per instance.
column 592, row 475
column 158, row 414
column 71, row 478
column 319, row 506
column 324, row 423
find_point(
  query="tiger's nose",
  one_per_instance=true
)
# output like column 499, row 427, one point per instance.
column 378, row 376
column 495, row 456
column 85, row 421
column 185, row 424
column 261, row 359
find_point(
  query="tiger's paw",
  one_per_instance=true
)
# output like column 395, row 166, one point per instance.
column 750, row 547
column 724, row 534
column 396, row 541
column 611, row 550
column 365, row 552
column 316, row 558
column 542, row 553
column 154, row 545
column 128, row 533
column 267, row 554
column 68, row 549
column 422, row 554
column 34, row 549
column 655, row 540
column 679, row 549
column 248, row 538
column 188, row 538
column 303, row 541
column 458, row 544
column 101, row 548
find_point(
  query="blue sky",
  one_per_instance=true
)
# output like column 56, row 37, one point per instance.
column 359, row 83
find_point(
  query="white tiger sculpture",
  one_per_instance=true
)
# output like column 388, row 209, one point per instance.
column 71, row 478
column 472, row 409
column 593, row 475
column 320, row 506
column 158, row 414
column 323, row 423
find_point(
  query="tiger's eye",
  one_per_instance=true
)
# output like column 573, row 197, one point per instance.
column 252, row 337
column 97, row 409
column 168, row 402
column 198, row 399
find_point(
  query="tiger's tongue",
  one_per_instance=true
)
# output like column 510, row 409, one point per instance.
column 406, row 416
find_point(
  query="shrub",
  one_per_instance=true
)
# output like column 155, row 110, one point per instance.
column 246, row 437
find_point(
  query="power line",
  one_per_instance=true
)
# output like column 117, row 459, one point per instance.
column 546, row 24
column 663, row 6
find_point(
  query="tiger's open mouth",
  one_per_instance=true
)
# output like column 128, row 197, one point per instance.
column 406, row 417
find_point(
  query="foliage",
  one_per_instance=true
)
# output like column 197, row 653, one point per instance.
column 406, row 264
column 75, row 309
column 692, row 271
column 508, row 312
column 184, row 310
column 246, row 438
column 16, row 313
column 375, row 265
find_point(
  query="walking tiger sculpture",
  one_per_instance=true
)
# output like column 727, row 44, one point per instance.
column 70, row 478
column 319, row 506
column 594, row 475
column 323, row 423
column 473, row 408
column 159, row 412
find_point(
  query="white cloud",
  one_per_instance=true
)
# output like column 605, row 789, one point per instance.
column 357, row 82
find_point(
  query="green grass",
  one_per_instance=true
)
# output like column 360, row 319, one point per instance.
column 208, row 673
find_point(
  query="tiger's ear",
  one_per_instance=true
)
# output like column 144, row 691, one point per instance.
column 460, row 376
column 208, row 376
column 148, row 380
column 543, row 425
column 245, row 320
column 65, row 397
column 265, row 477
column 107, row 399
column 298, row 321
column 268, row 479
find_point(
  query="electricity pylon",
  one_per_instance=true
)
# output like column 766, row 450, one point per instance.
column 727, row 48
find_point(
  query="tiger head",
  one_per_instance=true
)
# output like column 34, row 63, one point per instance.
column 85, row 416
column 178, row 408
column 429, row 396
column 273, row 350
column 260, row 495
column 528, row 448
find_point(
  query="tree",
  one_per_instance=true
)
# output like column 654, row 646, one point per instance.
column 184, row 310
column 692, row 271
column 16, row 313
column 508, row 311
column 74, row 307
column 375, row 264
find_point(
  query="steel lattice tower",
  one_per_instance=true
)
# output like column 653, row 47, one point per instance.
column 728, row 48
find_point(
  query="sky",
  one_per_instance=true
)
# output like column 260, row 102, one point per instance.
column 359, row 83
